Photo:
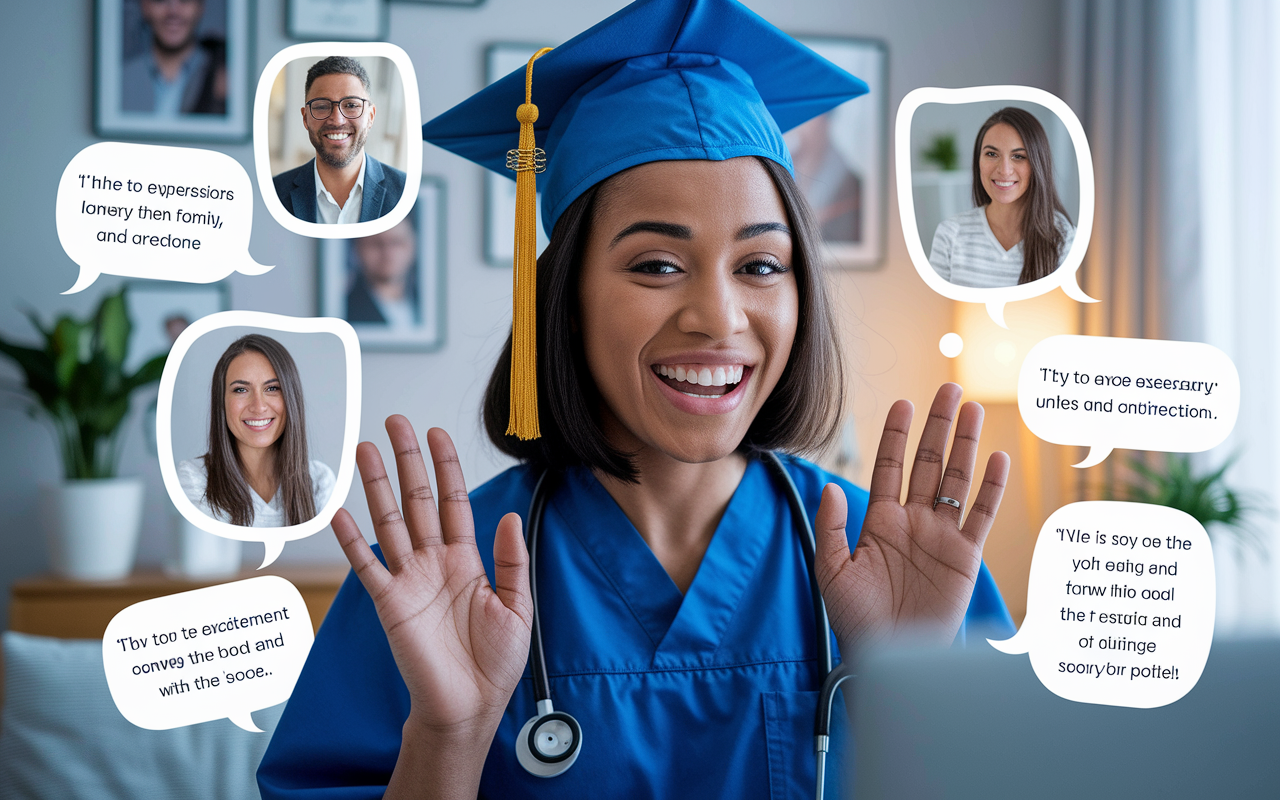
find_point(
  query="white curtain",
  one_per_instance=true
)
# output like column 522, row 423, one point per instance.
column 1181, row 102
column 1238, row 131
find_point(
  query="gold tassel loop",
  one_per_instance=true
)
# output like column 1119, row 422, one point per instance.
column 527, row 161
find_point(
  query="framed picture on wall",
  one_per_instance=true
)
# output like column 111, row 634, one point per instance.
column 391, row 286
column 841, row 157
column 499, row 190
column 338, row 20
column 173, row 69
column 160, row 310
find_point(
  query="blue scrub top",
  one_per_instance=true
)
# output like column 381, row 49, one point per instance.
column 709, row 694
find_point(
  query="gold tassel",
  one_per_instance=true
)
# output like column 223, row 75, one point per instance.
column 527, row 160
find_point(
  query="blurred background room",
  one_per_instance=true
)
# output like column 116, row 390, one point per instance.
column 1180, row 100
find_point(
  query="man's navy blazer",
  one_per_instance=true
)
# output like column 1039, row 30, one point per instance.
column 383, row 186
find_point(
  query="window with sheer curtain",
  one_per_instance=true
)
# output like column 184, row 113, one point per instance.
column 1181, row 102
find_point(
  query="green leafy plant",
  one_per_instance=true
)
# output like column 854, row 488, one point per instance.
column 1206, row 497
column 942, row 152
column 79, row 382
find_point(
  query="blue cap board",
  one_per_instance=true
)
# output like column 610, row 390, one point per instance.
column 661, row 80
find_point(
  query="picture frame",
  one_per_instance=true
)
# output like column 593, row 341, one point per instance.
column 337, row 20
column 500, row 191
column 351, row 269
column 161, row 310
column 142, row 93
column 841, row 158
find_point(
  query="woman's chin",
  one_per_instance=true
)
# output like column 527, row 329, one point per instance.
column 701, row 447
column 1005, row 198
column 257, row 442
column 660, row 432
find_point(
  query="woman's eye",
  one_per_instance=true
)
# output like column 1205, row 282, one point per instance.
column 655, row 268
column 762, row 267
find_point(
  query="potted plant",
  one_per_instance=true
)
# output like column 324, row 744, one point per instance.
column 1222, row 511
column 942, row 153
column 78, row 383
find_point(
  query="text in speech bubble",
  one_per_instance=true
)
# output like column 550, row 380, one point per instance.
column 994, row 298
column 222, row 651
column 274, row 538
column 164, row 213
column 1120, row 604
column 1140, row 394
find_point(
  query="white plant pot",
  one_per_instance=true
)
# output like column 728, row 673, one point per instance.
column 92, row 527
column 199, row 554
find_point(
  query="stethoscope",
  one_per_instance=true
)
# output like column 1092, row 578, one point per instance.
column 549, row 742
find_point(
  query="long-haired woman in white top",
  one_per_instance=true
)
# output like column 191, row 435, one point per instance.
column 1018, row 231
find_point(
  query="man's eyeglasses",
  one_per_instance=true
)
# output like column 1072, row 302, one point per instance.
column 351, row 107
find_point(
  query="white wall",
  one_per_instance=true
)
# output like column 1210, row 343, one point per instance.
column 930, row 42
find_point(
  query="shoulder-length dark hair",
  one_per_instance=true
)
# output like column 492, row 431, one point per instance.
column 1042, row 241
column 802, row 414
column 227, row 490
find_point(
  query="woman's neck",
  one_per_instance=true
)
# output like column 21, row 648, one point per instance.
column 1005, row 220
column 676, row 506
column 259, row 465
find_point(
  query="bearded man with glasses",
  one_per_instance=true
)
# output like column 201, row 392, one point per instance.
column 342, row 184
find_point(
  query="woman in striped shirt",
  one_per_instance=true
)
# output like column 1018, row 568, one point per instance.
column 1019, row 231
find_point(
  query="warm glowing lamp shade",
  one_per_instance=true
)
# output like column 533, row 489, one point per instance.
column 988, row 366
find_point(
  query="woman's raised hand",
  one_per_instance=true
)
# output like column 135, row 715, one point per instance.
column 461, row 646
column 915, row 566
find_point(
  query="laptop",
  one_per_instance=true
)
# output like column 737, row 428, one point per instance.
column 975, row 723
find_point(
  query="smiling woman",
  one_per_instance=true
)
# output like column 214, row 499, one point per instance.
column 677, row 328
column 611, row 275
column 1018, row 230
column 256, row 472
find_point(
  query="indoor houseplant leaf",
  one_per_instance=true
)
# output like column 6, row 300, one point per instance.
column 1221, row 509
column 77, row 380
column 942, row 152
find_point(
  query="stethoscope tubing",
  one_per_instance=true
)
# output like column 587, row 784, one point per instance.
column 808, row 545
column 537, row 661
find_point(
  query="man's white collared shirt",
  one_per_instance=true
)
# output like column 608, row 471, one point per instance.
column 328, row 212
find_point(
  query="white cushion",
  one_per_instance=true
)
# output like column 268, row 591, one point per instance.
column 62, row 737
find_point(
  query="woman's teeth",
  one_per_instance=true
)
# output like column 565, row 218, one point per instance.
column 1004, row 184
column 257, row 423
column 702, row 375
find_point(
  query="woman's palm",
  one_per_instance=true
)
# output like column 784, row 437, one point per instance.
column 914, row 567
column 460, row 645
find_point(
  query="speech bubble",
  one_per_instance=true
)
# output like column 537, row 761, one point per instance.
column 222, row 651
column 1120, row 605
column 164, row 213
column 272, row 538
column 994, row 299
column 1140, row 394
column 412, row 122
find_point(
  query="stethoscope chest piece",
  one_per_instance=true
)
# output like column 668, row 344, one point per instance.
column 549, row 743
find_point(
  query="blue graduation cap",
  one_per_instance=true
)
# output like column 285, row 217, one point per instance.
column 661, row 80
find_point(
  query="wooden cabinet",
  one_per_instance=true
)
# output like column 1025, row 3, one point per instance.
column 50, row 606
